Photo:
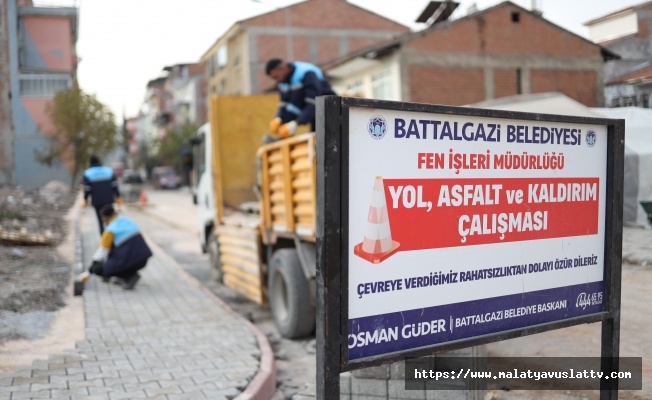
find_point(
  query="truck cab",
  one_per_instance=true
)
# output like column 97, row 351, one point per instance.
column 204, row 194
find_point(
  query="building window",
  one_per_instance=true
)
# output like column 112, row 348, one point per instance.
column 211, row 66
column 355, row 88
column 381, row 85
column 645, row 100
column 221, row 57
column 519, row 89
column 629, row 101
column 516, row 16
column 42, row 85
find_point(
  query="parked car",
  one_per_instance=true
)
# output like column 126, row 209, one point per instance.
column 165, row 178
column 131, row 176
column 132, row 185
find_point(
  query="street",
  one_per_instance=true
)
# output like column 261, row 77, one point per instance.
column 169, row 220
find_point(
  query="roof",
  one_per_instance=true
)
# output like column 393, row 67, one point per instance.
column 617, row 13
column 156, row 81
column 243, row 22
column 171, row 67
column 641, row 75
column 546, row 103
column 389, row 46
column 609, row 42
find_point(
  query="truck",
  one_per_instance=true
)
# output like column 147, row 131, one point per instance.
column 257, row 209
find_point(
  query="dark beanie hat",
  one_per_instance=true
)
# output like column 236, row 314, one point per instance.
column 107, row 211
column 271, row 64
column 94, row 161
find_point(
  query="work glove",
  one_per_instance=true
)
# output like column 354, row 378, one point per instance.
column 274, row 125
column 118, row 201
column 288, row 129
column 96, row 268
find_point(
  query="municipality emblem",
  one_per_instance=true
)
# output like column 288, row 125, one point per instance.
column 377, row 127
column 591, row 138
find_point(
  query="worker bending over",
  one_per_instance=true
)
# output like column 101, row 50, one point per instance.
column 298, row 84
column 122, row 252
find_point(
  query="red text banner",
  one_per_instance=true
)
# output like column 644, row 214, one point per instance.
column 436, row 213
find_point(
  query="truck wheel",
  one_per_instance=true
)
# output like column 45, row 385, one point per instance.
column 289, row 295
column 213, row 251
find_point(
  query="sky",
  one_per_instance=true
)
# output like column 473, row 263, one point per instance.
column 125, row 43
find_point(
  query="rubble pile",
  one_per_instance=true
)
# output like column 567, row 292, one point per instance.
column 33, row 277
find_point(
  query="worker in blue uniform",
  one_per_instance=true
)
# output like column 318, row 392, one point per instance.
column 122, row 251
column 101, row 186
column 298, row 84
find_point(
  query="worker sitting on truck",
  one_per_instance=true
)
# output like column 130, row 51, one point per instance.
column 298, row 84
column 122, row 252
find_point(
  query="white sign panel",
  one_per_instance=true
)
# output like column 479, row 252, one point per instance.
column 463, row 226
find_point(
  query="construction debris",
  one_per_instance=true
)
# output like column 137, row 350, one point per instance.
column 33, row 277
column 26, row 239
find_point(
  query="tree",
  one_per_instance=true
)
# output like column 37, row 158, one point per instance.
column 170, row 147
column 81, row 126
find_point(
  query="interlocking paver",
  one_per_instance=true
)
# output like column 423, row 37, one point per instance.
column 165, row 339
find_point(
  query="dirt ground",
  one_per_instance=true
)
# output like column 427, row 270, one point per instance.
column 38, row 313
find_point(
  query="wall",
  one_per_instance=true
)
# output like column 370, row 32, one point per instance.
column 390, row 63
column 6, row 120
column 47, row 47
column 314, row 31
column 47, row 43
column 489, row 55
column 613, row 28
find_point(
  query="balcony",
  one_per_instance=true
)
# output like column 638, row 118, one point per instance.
column 43, row 85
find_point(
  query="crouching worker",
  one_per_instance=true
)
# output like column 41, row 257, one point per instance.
column 122, row 252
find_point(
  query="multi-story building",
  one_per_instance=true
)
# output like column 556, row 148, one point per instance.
column 627, row 33
column 6, row 121
column 187, row 92
column 500, row 51
column 315, row 31
column 153, row 109
column 42, row 60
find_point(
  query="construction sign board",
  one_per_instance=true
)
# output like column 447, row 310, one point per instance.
column 463, row 226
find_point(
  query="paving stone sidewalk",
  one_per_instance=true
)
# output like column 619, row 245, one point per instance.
column 167, row 339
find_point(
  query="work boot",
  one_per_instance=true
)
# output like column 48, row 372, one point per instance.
column 106, row 279
column 130, row 283
column 118, row 281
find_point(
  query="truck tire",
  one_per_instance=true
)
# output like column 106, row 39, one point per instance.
column 289, row 295
column 213, row 250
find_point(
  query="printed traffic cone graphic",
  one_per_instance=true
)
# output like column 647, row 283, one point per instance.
column 377, row 244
